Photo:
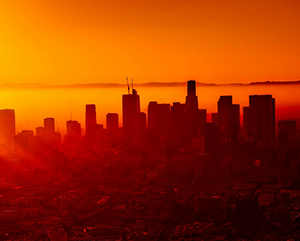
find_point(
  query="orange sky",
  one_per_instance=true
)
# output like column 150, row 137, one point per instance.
column 219, row 41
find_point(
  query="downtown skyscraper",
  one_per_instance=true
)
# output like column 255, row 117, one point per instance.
column 259, row 118
column 7, row 127
column 90, row 124
column 134, row 124
column 191, row 106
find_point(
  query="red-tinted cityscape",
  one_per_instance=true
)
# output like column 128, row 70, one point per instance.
column 201, row 140
column 168, row 174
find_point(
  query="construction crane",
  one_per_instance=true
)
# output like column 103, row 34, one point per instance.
column 128, row 85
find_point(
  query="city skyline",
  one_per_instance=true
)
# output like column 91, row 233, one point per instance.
column 74, row 103
column 225, row 108
column 145, row 109
column 156, row 120
column 169, row 169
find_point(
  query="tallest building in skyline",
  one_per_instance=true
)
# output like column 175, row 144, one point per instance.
column 191, row 105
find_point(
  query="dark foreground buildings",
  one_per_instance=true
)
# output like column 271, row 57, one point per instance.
column 172, row 174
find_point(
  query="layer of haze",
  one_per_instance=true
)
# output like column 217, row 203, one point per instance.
column 33, row 105
column 72, row 41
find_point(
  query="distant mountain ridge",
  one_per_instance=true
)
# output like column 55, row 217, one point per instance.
column 149, row 84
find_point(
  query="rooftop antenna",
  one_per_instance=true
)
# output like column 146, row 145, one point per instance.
column 128, row 85
column 132, row 84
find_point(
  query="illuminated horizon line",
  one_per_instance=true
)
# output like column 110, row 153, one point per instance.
column 147, row 84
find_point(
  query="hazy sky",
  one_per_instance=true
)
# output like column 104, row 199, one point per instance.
column 85, row 41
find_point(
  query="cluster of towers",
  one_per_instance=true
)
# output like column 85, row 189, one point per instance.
column 166, row 126
column 184, row 124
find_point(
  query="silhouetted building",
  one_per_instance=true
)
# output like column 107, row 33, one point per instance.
column 131, row 120
column 7, row 127
column 73, row 132
column 265, row 116
column 287, row 132
column 40, row 131
column 159, row 122
column 49, row 125
column 49, row 129
column 112, row 123
column 90, row 124
column 153, row 122
column 224, row 117
column 191, row 105
column 228, row 119
column 153, row 115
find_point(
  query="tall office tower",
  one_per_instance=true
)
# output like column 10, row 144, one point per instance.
column 250, row 127
column 49, row 127
column 40, row 131
column 90, row 124
column 153, row 115
column 265, row 116
column 164, row 123
column 112, row 123
column 7, row 127
column 224, row 117
column 153, row 118
column 159, row 121
column 191, row 105
column 131, row 120
column 211, row 137
column 112, row 126
column 287, row 132
column 228, row 119
column 73, row 132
